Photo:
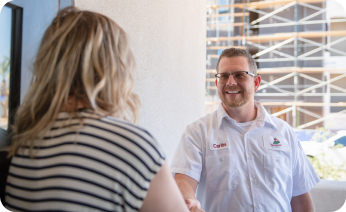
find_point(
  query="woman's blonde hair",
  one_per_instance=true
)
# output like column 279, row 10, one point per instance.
column 84, row 56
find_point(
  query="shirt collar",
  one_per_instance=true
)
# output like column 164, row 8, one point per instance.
column 221, row 114
column 262, row 116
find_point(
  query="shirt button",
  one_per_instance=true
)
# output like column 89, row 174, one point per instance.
column 221, row 159
column 252, row 181
column 277, row 160
column 250, row 158
column 257, row 206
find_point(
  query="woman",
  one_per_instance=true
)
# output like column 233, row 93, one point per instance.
column 73, row 146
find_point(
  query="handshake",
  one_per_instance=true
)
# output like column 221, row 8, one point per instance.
column 194, row 205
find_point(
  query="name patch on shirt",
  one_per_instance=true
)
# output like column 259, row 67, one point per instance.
column 216, row 145
column 275, row 143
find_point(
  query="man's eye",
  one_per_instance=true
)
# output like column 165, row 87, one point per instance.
column 240, row 75
column 224, row 76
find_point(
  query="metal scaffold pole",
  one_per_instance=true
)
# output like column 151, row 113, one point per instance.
column 296, row 64
column 291, row 38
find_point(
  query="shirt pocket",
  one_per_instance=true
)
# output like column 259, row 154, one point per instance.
column 276, row 172
column 222, row 173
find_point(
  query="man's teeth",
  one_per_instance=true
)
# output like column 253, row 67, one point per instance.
column 232, row 91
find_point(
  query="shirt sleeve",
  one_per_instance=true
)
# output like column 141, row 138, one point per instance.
column 304, row 176
column 152, row 157
column 188, row 155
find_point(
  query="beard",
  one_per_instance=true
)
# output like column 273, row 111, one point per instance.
column 237, row 101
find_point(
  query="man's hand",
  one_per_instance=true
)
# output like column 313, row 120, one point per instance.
column 196, row 209
column 187, row 186
column 193, row 203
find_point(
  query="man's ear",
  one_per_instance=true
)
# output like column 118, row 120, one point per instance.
column 216, row 83
column 257, row 82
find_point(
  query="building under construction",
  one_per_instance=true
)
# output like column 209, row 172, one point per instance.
column 300, row 50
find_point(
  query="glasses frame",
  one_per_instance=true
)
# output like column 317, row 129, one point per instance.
column 246, row 72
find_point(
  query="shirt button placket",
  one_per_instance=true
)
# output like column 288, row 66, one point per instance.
column 252, row 174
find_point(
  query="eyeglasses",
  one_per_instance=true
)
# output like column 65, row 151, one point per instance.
column 238, row 76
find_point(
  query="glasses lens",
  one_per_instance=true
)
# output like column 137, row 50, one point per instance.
column 240, row 76
column 223, row 78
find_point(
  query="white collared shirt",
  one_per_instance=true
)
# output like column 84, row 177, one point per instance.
column 258, row 170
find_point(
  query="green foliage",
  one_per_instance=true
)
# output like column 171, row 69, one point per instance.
column 4, row 67
column 327, row 170
column 322, row 135
column 338, row 146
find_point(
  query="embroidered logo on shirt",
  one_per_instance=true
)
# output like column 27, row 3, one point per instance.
column 216, row 145
column 276, row 143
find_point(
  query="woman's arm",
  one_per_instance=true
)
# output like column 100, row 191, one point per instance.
column 187, row 187
column 302, row 203
column 163, row 194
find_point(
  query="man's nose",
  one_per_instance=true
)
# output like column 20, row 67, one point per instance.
column 231, row 80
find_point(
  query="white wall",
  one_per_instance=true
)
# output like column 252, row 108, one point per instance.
column 168, row 40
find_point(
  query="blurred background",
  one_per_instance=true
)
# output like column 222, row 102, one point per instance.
column 300, row 51
column 5, row 50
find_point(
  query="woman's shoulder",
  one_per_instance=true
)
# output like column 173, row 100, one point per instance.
column 128, row 132
column 111, row 130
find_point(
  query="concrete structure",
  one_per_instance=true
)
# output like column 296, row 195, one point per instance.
column 299, row 47
column 329, row 196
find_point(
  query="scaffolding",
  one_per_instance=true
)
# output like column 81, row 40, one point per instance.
column 299, row 48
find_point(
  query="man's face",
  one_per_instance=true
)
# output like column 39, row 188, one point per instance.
column 236, row 94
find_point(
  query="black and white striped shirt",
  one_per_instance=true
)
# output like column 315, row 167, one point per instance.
column 105, row 165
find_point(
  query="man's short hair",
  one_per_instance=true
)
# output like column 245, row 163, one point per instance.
column 235, row 52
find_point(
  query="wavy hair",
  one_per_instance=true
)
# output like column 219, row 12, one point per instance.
column 83, row 56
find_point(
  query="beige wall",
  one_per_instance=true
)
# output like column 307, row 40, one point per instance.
column 168, row 40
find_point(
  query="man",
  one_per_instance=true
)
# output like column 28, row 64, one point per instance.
column 242, row 158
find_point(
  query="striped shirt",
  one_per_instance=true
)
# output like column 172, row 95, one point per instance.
column 106, row 164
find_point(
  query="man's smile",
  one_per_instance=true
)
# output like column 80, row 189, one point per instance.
column 233, row 92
